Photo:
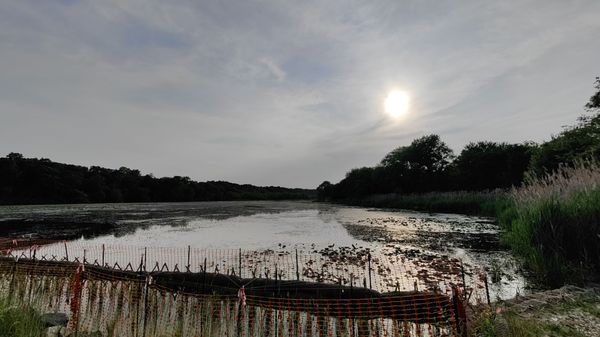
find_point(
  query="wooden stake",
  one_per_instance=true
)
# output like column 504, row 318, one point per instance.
column 297, row 268
column 462, row 268
column 370, row 286
column 487, row 290
column 240, row 262
column 147, row 283
column 188, row 259
column 204, row 271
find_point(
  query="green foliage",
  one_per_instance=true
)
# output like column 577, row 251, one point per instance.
column 482, row 203
column 489, row 165
column 554, row 224
column 575, row 143
column 358, row 182
column 522, row 327
column 324, row 190
column 419, row 167
column 425, row 154
column 594, row 102
column 19, row 322
column 484, row 325
column 31, row 180
column 427, row 165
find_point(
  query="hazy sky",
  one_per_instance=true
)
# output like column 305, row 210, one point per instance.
column 284, row 92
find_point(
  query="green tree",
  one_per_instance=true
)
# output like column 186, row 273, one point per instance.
column 324, row 190
column 575, row 143
column 31, row 180
column 427, row 154
column 357, row 183
column 14, row 156
column 489, row 165
column 419, row 167
column 580, row 142
column 594, row 102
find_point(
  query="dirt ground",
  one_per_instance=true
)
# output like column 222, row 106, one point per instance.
column 567, row 311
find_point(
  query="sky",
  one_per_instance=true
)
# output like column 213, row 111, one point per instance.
column 287, row 93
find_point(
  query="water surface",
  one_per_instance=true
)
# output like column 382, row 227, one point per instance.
column 430, row 244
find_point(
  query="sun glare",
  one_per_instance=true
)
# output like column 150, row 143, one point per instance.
column 396, row 103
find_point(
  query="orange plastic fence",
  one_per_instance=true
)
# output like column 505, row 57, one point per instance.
column 138, row 302
column 363, row 268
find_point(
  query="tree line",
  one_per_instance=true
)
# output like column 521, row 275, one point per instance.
column 42, row 181
column 428, row 164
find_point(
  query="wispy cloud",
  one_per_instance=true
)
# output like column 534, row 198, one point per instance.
column 272, row 92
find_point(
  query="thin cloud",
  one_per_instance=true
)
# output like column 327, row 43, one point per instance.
column 279, row 93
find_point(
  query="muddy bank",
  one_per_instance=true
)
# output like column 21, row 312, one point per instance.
column 429, row 240
column 54, row 229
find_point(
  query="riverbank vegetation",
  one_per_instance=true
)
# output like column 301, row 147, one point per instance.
column 19, row 322
column 486, row 203
column 429, row 165
column 41, row 181
column 553, row 223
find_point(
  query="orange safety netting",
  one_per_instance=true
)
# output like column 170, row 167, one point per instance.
column 230, row 293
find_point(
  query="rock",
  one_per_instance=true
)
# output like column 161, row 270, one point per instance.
column 55, row 319
column 53, row 331
column 87, row 334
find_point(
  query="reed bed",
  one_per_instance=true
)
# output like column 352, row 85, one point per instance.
column 488, row 203
column 554, row 224
column 564, row 183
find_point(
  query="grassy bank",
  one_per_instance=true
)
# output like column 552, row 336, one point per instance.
column 553, row 224
column 475, row 203
column 19, row 322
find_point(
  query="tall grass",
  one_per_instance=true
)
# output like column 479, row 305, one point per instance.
column 563, row 183
column 19, row 321
column 554, row 224
column 488, row 203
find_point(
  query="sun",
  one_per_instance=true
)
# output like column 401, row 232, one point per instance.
column 396, row 103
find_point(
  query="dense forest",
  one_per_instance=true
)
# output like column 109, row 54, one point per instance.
column 41, row 181
column 428, row 164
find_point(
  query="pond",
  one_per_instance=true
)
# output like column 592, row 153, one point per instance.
column 404, row 245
